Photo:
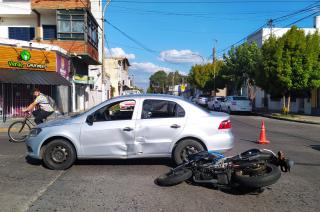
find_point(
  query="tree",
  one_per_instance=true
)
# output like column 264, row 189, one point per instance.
column 158, row 82
column 175, row 78
column 290, row 65
column 202, row 76
column 241, row 65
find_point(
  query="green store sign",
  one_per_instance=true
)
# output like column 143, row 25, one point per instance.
column 25, row 56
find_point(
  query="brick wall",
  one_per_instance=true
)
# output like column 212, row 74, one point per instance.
column 78, row 47
column 60, row 4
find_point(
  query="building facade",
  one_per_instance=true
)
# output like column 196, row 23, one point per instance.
column 117, row 70
column 24, row 67
column 68, row 24
column 309, row 104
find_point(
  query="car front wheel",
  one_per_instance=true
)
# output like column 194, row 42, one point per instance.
column 184, row 149
column 59, row 154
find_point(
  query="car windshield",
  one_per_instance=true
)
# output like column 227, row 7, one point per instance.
column 240, row 98
column 220, row 99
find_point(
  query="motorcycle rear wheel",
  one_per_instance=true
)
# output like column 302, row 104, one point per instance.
column 271, row 176
column 174, row 177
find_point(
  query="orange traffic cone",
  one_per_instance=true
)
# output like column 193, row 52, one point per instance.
column 263, row 137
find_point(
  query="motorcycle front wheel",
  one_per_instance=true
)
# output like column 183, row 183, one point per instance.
column 269, row 176
column 174, row 177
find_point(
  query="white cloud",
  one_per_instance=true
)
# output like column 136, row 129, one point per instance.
column 119, row 52
column 148, row 67
column 181, row 56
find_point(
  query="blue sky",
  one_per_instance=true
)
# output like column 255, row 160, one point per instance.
column 176, row 33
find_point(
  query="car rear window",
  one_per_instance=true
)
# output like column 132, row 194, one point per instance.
column 240, row 98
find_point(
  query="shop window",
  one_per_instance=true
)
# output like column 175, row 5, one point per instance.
column 49, row 32
column 71, row 24
column 21, row 33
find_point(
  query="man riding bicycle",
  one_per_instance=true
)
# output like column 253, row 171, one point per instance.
column 45, row 109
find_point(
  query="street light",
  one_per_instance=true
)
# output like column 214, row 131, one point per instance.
column 103, row 45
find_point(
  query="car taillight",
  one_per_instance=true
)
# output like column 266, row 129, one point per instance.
column 226, row 124
column 234, row 103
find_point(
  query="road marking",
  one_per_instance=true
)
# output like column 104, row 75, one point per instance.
column 36, row 196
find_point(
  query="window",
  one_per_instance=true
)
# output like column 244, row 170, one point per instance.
column 49, row 32
column 21, row 33
column 71, row 25
column 92, row 31
column 116, row 111
column 161, row 109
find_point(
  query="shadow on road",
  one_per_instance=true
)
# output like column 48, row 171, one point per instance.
column 316, row 147
column 306, row 164
column 232, row 190
column 33, row 161
column 120, row 162
column 252, row 141
column 140, row 161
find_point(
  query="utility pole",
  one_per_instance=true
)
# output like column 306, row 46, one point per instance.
column 270, row 25
column 103, row 76
column 214, row 66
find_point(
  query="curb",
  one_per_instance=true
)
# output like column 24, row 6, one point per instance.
column 285, row 119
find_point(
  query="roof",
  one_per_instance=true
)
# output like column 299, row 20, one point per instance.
column 32, row 77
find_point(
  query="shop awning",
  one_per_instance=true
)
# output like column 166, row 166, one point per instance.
column 32, row 77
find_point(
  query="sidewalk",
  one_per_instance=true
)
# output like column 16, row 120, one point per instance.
column 291, row 117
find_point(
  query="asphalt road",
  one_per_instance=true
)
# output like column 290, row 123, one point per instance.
column 128, row 185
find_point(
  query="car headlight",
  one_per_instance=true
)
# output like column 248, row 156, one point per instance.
column 34, row 132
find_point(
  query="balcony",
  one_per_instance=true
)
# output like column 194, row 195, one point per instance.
column 82, row 49
column 60, row 4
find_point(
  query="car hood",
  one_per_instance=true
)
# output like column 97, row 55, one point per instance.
column 60, row 121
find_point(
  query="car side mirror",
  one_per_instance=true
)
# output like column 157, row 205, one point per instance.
column 90, row 120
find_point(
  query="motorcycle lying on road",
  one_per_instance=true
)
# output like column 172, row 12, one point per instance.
column 252, row 169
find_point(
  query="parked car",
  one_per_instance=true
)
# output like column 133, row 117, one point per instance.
column 127, row 105
column 157, row 126
column 214, row 103
column 236, row 104
column 202, row 100
column 129, row 92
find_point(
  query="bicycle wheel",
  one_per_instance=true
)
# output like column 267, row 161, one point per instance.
column 18, row 131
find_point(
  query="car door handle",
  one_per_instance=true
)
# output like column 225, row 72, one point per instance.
column 175, row 126
column 127, row 129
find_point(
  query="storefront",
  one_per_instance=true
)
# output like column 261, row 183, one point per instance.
column 22, row 69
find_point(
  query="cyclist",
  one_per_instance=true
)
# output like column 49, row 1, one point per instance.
column 45, row 109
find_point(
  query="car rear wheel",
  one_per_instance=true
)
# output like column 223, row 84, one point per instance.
column 185, row 148
column 59, row 154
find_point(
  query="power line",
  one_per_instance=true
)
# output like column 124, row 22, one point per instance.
column 132, row 39
column 308, row 8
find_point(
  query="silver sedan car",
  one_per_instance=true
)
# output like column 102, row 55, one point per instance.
column 155, row 126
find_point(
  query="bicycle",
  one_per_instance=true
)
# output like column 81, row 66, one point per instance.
column 19, row 131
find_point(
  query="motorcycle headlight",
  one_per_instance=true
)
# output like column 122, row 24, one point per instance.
column 35, row 131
